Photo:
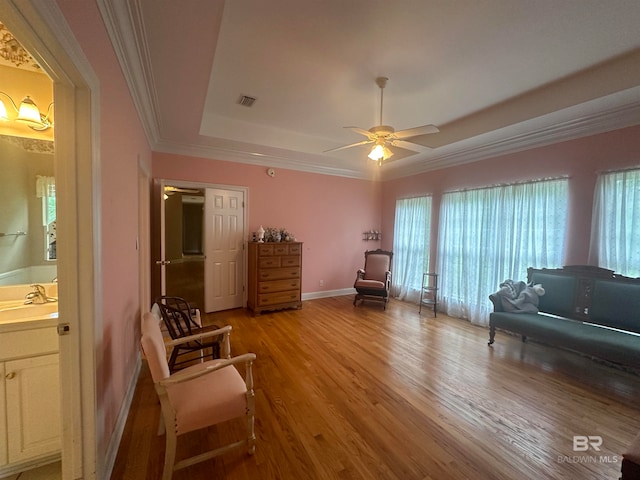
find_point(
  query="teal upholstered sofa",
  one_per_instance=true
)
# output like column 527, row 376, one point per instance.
column 586, row 309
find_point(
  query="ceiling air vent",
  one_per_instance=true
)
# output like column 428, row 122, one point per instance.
column 246, row 100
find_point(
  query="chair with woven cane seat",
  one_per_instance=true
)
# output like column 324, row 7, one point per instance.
column 178, row 318
column 374, row 280
column 198, row 396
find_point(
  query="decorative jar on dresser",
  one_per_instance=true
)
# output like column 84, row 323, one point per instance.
column 275, row 276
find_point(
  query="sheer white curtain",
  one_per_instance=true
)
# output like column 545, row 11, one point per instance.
column 45, row 186
column 491, row 234
column 410, row 246
column 615, row 230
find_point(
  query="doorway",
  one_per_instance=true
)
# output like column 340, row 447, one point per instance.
column 183, row 246
column 40, row 28
column 31, row 428
column 202, row 248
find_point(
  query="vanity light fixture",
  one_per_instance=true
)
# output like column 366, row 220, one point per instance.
column 28, row 113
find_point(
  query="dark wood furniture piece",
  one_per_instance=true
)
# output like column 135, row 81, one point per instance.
column 631, row 461
column 586, row 309
column 373, row 282
column 178, row 320
column 275, row 276
column 429, row 292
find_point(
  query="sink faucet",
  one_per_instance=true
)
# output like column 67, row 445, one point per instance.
column 37, row 295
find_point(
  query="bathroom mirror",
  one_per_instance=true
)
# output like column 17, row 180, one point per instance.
column 27, row 212
column 27, row 184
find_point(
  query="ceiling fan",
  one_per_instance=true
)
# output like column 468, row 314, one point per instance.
column 383, row 137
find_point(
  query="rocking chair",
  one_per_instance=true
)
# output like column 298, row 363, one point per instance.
column 374, row 280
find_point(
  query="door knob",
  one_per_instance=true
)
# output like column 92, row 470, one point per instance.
column 10, row 375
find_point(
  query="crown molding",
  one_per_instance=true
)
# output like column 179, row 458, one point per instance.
column 265, row 160
column 493, row 144
column 501, row 142
column 125, row 27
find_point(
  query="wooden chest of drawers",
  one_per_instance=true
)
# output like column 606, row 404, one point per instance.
column 275, row 276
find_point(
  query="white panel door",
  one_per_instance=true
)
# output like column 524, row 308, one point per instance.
column 224, row 241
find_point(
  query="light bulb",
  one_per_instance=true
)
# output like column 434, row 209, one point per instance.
column 376, row 153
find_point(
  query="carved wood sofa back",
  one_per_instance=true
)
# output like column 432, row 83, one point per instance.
column 589, row 294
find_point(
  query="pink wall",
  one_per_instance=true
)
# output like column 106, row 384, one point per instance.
column 327, row 213
column 122, row 141
column 580, row 159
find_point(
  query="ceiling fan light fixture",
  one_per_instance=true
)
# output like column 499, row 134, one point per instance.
column 380, row 152
column 376, row 153
column 383, row 136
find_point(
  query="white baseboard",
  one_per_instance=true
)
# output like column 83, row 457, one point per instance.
column 116, row 437
column 14, row 470
column 328, row 293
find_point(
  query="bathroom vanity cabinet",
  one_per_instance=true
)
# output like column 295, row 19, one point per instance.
column 30, row 429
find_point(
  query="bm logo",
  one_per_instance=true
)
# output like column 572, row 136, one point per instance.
column 582, row 443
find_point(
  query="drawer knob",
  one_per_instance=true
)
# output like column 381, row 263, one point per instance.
column 11, row 375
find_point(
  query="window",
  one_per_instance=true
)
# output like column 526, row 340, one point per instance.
column 46, row 190
column 492, row 234
column 615, row 231
column 410, row 246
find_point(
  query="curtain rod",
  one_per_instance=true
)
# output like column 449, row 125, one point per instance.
column 497, row 185
column 415, row 196
column 618, row 170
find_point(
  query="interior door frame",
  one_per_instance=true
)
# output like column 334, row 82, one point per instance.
column 161, row 183
column 143, row 241
column 44, row 32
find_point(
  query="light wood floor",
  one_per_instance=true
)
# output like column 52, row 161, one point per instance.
column 362, row 393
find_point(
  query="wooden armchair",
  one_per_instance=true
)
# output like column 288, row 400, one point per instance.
column 183, row 321
column 199, row 396
column 374, row 280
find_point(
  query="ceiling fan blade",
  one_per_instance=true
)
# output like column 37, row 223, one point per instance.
column 399, row 152
column 414, row 147
column 414, row 132
column 344, row 147
column 361, row 131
